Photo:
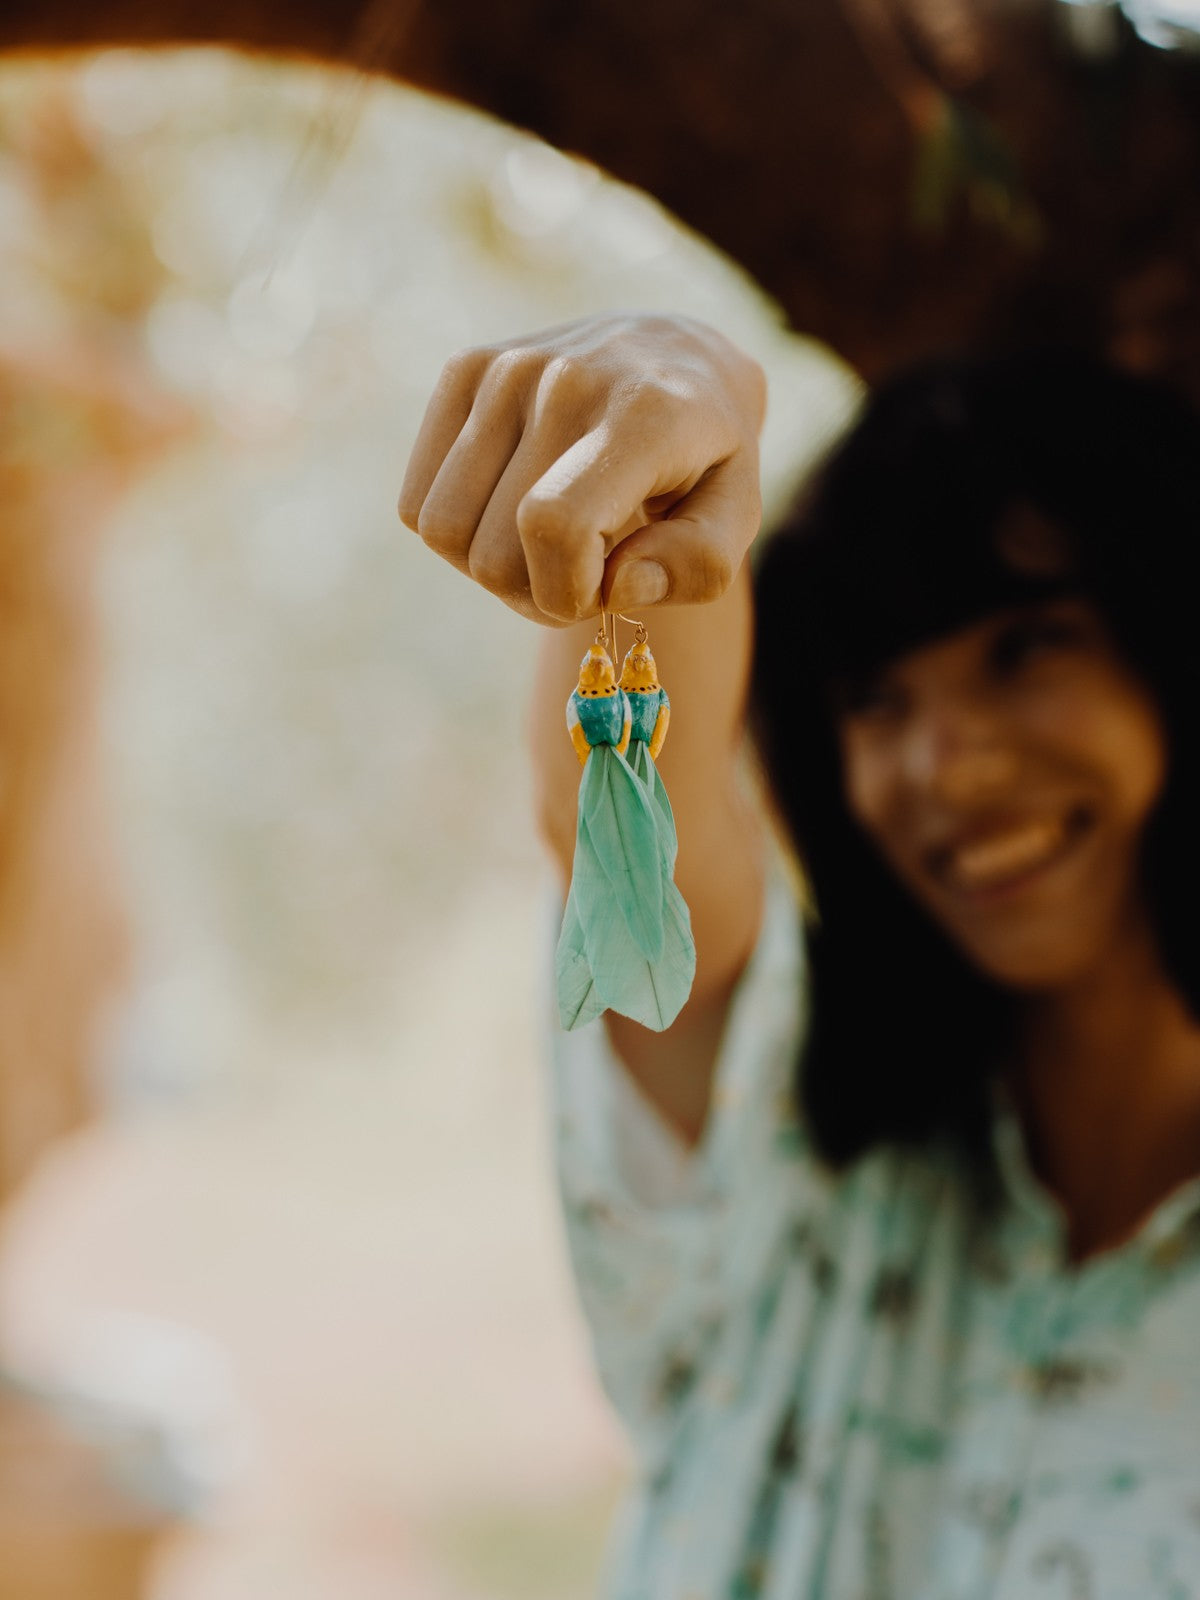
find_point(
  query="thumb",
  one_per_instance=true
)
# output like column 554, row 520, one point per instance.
column 694, row 553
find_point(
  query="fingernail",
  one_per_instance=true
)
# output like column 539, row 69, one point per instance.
column 640, row 583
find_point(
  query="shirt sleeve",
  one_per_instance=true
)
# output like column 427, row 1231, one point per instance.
column 664, row 1241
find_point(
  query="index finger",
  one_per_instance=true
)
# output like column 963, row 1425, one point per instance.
column 445, row 417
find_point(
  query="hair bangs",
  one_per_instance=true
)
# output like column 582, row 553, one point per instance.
column 889, row 588
column 965, row 488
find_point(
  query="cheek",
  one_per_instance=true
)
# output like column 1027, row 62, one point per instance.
column 868, row 782
column 1117, row 736
column 1144, row 766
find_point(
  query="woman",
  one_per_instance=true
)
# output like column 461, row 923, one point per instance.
column 892, row 1260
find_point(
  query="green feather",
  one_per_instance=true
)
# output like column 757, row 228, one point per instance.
column 621, row 828
column 599, row 965
column 600, row 969
column 653, row 992
column 578, row 1000
column 643, row 768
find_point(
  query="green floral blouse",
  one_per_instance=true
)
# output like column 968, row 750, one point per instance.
column 873, row 1387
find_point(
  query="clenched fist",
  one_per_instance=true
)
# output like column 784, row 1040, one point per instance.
column 613, row 461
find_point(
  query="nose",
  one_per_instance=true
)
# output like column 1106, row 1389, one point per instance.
column 958, row 753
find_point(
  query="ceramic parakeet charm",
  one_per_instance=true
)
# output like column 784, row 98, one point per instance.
column 626, row 942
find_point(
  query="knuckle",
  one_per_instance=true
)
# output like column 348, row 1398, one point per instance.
column 749, row 501
column 556, row 592
column 567, row 377
column 559, row 607
column 509, row 369
column 667, row 413
column 756, row 381
column 408, row 509
column 501, row 572
column 714, row 571
column 465, row 366
column 544, row 519
column 647, row 396
column 444, row 534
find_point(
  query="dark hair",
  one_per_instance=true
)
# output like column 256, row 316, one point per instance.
column 903, row 537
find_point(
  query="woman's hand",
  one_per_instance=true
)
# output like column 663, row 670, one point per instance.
column 612, row 460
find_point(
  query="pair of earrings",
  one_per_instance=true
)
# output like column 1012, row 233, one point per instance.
column 626, row 942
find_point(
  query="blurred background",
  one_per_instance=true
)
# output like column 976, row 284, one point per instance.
column 284, row 1306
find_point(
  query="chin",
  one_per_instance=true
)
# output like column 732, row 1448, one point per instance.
column 1036, row 966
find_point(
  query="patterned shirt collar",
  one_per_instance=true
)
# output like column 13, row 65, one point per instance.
column 1037, row 1215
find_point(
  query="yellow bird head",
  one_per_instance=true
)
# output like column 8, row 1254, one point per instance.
column 638, row 670
column 597, row 675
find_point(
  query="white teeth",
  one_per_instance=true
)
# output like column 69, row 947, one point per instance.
column 993, row 860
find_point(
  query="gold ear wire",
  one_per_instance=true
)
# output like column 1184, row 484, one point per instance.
column 608, row 631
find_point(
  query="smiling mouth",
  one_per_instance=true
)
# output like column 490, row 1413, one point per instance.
column 1010, row 858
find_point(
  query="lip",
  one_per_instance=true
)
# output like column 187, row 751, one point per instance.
column 1006, row 885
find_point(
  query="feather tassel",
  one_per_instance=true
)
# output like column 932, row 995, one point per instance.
column 626, row 942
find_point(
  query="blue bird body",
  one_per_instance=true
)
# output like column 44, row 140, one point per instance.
column 646, row 707
column 602, row 720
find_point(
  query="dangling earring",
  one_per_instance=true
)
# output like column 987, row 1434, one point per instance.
column 650, row 713
column 626, row 942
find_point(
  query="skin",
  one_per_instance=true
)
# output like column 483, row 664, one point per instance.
column 547, row 467
column 618, row 458
column 615, row 461
column 1029, row 725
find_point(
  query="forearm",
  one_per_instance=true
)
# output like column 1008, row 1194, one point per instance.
column 559, row 467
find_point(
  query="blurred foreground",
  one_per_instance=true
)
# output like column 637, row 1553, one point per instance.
column 290, row 1315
